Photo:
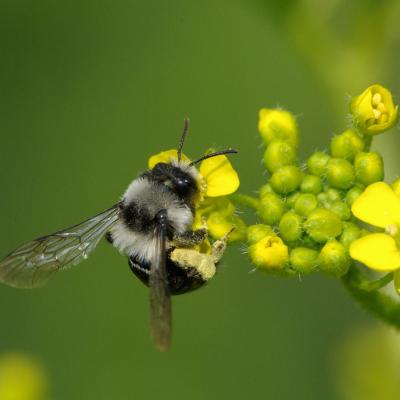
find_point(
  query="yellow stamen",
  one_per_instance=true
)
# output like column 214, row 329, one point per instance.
column 376, row 99
column 381, row 107
column 376, row 113
column 392, row 230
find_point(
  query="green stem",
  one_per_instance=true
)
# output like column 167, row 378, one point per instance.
column 365, row 292
column 245, row 200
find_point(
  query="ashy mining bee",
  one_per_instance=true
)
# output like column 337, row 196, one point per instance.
column 151, row 225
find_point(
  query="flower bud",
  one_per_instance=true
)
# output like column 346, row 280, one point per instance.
column 304, row 260
column 396, row 187
column 277, row 124
column 311, row 184
column 219, row 225
column 350, row 233
column 271, row 208
column 278, row 154
column 317, row 162
column 353, row 194
column 257, row 232
column 341, row 209
column 373, row 110
column 269, row 253
column 305, row 204
column 323, row 225
column 332, row 195
column 340, row 173
column 347, row 145
column 265, row 189
column 333, row 259
column 290, row 226
column 286, row 179
column 291, row 200
column 368, row 168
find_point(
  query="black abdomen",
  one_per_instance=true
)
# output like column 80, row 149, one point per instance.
column 180, row 280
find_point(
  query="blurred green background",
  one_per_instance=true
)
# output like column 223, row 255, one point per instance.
column 91, row 89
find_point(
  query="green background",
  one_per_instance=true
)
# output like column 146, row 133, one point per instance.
column 91, row 89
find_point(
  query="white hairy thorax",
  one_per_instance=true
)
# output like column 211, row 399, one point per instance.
column 148, row 195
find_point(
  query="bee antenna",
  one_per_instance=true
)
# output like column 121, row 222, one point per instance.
column 183, row 137
column 216, row 153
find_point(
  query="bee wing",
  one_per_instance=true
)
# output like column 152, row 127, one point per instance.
column 160, row 299
column 32, row 264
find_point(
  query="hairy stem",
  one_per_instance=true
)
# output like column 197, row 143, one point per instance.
column 245, row 200
column 367, row 294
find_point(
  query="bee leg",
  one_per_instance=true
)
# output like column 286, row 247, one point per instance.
column 190, row 238
column 219, row 246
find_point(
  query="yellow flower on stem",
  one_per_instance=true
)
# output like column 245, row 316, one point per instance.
column 373, row 110
column 379, row 206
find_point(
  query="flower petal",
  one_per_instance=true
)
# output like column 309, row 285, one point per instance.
column 378, row 205
column 377, row 251
column 220, row 176
column 165, row 157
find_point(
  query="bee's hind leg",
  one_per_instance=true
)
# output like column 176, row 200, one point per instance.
column 190, row 238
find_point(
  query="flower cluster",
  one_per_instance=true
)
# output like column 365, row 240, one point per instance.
column 311, row 213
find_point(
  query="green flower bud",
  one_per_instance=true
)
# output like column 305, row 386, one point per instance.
column 332, row 195
column 323, row 199
column 347, row 145
column 333, row 259
column 396, row 186
column 277, row 124
column 350, row 233
column 353, row 194
column 374, row 111
column 306, row 203
column 290, row 226
column 257, row 232
column 316, row 164
column 368, row 168
column 323, row 225
column 340, row 173
column 291, row 200
column 278, row 154
column 311, row 184
column 271, row 208
column 265, row 189
column 341, row 209
column 304, row 260
column 286, row 179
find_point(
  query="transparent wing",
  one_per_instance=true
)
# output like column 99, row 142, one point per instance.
column 160, row 299
column 32, row 264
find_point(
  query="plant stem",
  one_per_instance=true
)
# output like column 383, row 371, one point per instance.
column 365, row 292
column 245, row 200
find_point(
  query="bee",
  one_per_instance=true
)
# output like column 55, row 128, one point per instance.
column 151, row 225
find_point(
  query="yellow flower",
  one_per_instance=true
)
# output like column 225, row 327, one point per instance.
column 269, row 253
column 373, row 110
column 217, row 176
column 21, row 378
column 378, row 205
column 277, row 124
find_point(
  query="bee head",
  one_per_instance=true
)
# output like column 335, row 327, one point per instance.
column 179, row 178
